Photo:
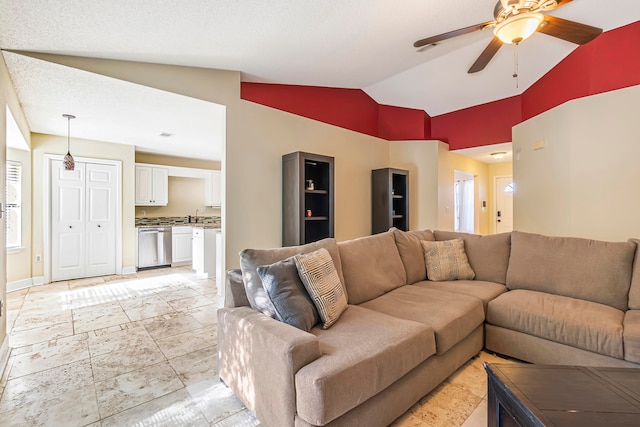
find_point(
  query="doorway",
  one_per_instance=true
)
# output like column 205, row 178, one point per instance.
column 464, row 189
column 504, row 189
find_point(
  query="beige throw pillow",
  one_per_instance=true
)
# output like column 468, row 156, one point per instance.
column 446, row 260
column 320, row 278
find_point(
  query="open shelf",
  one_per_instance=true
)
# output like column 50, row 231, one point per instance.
column 299, row 172
column 389, row 199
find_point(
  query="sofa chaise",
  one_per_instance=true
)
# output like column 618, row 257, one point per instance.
column 536, row 298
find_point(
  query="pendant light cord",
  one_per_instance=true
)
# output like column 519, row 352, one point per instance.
column 68, row 134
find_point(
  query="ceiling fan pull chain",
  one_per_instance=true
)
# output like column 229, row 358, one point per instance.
column 515, row 63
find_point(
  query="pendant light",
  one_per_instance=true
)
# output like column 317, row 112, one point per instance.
column 69, row 163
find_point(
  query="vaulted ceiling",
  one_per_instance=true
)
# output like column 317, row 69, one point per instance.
column 365, row 44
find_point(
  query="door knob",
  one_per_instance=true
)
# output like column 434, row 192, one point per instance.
column 70, row 227
column 99, row 226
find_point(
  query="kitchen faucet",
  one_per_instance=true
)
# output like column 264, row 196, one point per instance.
column 196, row 216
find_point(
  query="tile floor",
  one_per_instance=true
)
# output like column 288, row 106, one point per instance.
column 140, row 350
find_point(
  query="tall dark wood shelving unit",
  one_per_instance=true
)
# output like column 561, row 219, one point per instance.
column 298, row 227
column 389, row 199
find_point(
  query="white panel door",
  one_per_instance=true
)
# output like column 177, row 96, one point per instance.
column 101, row 222
column 504, row 204
column 67, row 221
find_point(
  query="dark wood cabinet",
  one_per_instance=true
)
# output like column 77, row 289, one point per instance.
column 389, row 199
column 307, row 198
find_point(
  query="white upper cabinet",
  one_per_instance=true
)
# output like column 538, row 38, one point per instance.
column 213, row 189
column 152, row 185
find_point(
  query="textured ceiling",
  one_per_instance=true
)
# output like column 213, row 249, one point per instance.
column 363, row 44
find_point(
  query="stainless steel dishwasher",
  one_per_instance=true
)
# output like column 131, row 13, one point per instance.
column 154, row 247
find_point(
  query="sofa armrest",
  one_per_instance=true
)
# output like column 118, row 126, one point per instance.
column 234, row 292
column 258, row 358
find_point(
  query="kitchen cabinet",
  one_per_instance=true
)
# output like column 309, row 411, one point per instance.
column 181, row 245
column 213, row 188
column 204, row 251
column 152, row 185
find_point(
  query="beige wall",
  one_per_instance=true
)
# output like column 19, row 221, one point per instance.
column 158, row 159
column 448, row 163
column 8, row 98
column 19, row 261
column 583, row 183
column 49, row 144
column 495, row 170
column 254, row 175
column 420, row 158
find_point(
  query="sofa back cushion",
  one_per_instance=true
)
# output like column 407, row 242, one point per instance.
column 634, row 291
column 411, row 252
column 371, row 266
column 578, row 268
column 251, row 259
column 488, row 255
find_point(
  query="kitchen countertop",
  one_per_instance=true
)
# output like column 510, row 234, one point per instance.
column 203, row 222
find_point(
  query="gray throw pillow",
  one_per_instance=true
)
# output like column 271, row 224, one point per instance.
column 287, row 294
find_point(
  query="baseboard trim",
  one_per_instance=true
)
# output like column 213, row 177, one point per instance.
column 4, row 355
column 129, row 270
column 25, row 283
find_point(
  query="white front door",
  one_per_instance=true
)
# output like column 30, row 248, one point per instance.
column 504, row 204
column 83, row 220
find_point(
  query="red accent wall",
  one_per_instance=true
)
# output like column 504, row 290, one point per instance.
column 348, row 108
column 610, row 62
column 484, row 124
column 398, row 123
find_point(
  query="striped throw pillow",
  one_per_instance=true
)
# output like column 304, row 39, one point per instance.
column 320, row 278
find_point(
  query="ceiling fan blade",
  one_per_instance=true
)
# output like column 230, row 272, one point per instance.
column 570, row 31
column 452, row 34
column 487, row 54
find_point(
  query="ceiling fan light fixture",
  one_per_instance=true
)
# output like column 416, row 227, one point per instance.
column 498, row 155
column 518, row 27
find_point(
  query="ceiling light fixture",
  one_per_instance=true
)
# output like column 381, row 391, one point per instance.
column 498, row 155
column 518, row 27
column 69, row 163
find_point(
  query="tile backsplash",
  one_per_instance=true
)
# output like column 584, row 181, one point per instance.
column 168, row 221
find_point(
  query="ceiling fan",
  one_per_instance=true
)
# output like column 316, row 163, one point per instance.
column 517, row 20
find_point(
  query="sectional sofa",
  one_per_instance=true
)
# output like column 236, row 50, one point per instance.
column 536, row 298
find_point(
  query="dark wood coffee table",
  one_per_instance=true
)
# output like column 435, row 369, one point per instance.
column 542, row 395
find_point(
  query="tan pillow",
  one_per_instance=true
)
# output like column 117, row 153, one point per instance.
column 320, row 278
column 446, row 260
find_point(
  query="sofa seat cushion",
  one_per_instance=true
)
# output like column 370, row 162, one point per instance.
column 582, row 324
column 371, row 266
column 484, row 291
column 363, row 353
column 452, row 316
column 632, row 336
